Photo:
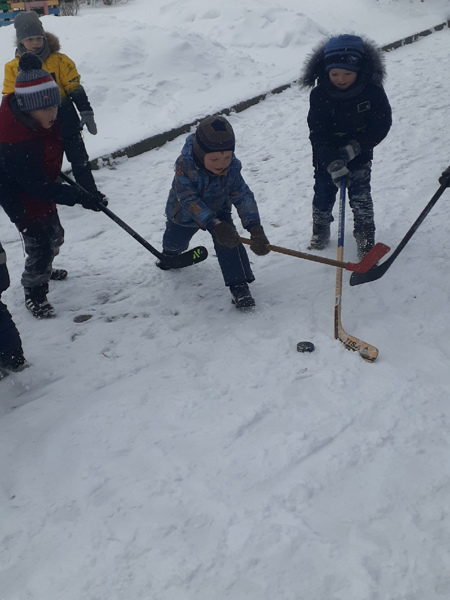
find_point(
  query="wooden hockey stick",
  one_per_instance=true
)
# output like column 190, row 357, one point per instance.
column 368, row 352
column 370, row 259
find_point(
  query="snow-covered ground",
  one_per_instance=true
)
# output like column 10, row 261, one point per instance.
column 174, row 448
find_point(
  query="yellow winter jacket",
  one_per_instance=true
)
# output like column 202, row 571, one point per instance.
column 63, row 70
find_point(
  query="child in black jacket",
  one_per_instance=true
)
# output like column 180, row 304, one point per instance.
column 349, row 115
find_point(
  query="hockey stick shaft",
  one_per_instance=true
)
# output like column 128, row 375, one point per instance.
column 178, row 261
column 368, row 352
column 378, row 271
column 371, row 258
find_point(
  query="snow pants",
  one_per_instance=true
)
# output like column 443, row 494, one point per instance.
column 9, row 336
column 359, row 194
column 233, row 262
column 42, row 240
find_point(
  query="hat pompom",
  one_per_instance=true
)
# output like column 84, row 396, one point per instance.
column 29, row 61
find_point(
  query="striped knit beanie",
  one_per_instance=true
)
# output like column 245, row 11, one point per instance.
column 344, row 52
column 214, row 134
column 35, row 88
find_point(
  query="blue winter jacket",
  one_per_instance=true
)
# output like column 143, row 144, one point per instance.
column 197, row 196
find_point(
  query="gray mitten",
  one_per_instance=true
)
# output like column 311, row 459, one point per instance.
column 87, row 118
column 350, row 150
column 337, row 170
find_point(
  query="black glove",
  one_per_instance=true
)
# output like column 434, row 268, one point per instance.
column 94, row 201
column 350, row 150
column 444, row 179
column 259, row 241
column 87, row 118
column 337, row 170
column 226, row 234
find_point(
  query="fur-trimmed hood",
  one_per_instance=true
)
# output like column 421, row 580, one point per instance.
column 372, row 69
column 53, row 42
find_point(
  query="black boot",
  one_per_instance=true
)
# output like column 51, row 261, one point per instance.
column 59, row 274
column 242, row 297
column 37, row 303
column 320, row 237
column 13, row 360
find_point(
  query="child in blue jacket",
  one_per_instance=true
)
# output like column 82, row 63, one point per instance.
column 207, row 183
column 349, row 115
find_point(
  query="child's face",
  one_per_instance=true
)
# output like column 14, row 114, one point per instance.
column 218, row 162
column 341, row 78
column 45, row 116
column 33, row 44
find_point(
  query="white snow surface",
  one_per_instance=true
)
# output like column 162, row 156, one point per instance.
column 173, row 448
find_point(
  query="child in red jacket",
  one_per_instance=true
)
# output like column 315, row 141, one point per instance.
column 31, row 152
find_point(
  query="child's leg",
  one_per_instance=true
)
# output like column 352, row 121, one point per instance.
column 323, row 202
column 176, row 238
column 234, row 262
column 11, row 352
column 360, row 199
column 42, row 239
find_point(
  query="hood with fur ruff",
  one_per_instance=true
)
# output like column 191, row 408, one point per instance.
column 372, row 69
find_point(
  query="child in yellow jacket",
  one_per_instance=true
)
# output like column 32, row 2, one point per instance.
column 31, row 37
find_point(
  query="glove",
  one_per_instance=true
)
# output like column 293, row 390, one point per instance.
column 94, row 201
column 259, row 241
column 444, row 179
column 226, row 234
column 350, row 150
column 87, row 118
column 337, row 170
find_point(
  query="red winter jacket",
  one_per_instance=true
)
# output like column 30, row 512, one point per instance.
column 30, row 161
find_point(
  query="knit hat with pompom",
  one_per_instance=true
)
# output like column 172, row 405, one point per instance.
column 35, row 88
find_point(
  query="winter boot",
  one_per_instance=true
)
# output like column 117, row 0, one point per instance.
column 13, row 360
column 59, row 274
column 364, row 243
column 37, row 303
column 242, row 297
column 320, row 237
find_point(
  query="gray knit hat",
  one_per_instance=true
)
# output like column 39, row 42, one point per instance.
column 28, row 25
column 214, row 134
column 35, row 88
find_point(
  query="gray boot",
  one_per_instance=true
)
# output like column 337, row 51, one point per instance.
column 365, row 241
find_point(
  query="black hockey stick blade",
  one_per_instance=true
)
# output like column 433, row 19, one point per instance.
column 379, row 270
column 186, row 259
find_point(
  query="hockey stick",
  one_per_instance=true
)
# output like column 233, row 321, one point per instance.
column 378, row 271
column 370, row 259
column 367, row 352
column 186, row 259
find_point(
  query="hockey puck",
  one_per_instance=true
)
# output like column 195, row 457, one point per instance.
column 82, row 318
column 305, row 347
